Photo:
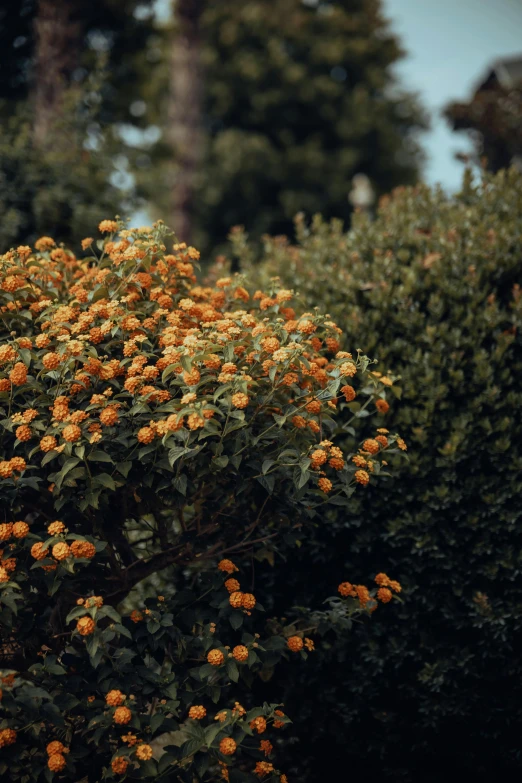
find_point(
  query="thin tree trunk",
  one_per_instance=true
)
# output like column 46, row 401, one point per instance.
column 185, row 112
column 56, row 53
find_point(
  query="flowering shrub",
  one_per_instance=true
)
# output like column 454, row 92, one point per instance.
column 151, row 423
column 431, row 288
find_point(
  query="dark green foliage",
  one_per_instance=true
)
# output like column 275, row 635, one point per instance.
column 431, row 289
column 81, row 173
column 66, row 188
column 298, row 98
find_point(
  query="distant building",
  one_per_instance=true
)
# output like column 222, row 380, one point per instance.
column 493, row 116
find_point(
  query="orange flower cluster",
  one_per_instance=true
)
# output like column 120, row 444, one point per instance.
column 139, row 325
column 362, row 593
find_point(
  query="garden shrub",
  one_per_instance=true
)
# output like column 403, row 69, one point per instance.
column 151, row 425
column 431, row 287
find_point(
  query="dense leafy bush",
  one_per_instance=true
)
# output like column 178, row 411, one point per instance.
column 431, row 287
column 150, row 423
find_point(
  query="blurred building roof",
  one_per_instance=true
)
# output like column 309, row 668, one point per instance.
column 506, row 73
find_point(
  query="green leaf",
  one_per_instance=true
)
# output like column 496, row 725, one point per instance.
column 105, row 480
column 236, row 620
column 124, row 467
column 156, row 721
column 122, row 630
column 211, row 733
column 232, row 670
column 180, row 483
column 191, row 747
column 99, row 456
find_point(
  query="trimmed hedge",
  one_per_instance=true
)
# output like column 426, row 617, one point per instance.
column 431, row 287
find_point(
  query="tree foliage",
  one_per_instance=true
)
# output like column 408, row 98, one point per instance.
column 70, row 167
column 298, row 97
column 432, row 288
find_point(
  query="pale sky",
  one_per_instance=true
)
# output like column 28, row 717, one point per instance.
column 450, row 44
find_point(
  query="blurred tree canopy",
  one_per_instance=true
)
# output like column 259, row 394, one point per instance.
column 70, row 79
column 298, row 98
column 263, row 108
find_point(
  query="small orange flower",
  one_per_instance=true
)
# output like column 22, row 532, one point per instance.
column 346, row 589
column 55, row 528
column 215, row 657
column 295, row 643
column 227, row 746
column 197, row 712
column 384, row 595
column 109, row 416
column 38, row 552
column 362, row 477
column 6, row 531
column 23, row 433
column 119, row 765
column 83, row 549
column 371, row 446
column 263, row 768
column 232, row 585
column 7, row 737
column 18, row 374
column 236, row 599
column 239, row 400
column 115, row 698
column 401, row 444
column 71, row 433
column 248, row 601
column 325, row 485
column 144, row 752
column 18, row 463
column 51, row 361
column 240, row 653
column 48, row 443
column 382, row 406
column 108, row 227
column 266, row 746
column 20, row 529
column 56, row 762
column 349, row 393
column 146, row 435
column 85, row 626
column 55, row 747
column 61, row 551
column 136, row 616
column 227, row 566
column 258, row 724
column 122, row 715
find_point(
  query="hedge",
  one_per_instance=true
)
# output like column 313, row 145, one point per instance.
column 431, row 288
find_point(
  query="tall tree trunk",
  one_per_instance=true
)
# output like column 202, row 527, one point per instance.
column 56, row 52
column 185, row 112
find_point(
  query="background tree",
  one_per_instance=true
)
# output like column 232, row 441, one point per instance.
column 70, row 81
column 298, row 98
column 493, row 115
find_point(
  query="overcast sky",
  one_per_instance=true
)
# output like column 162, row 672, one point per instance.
column 450, row 44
